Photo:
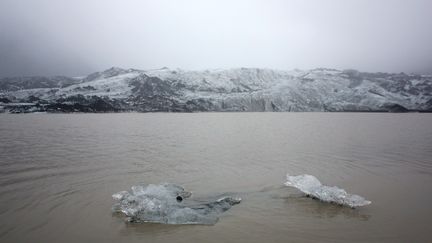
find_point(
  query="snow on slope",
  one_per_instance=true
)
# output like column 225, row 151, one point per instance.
column 113, row 87
column 241, row 79
column 252, row 89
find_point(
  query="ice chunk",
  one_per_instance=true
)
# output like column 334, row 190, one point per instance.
column 311, row 186
column 164, row 204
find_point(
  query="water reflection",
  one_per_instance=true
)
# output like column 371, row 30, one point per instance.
column 154, row 228
column 295, row 200
column 320, row 209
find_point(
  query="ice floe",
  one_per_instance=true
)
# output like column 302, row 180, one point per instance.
column 168, row 204
column 311, row 186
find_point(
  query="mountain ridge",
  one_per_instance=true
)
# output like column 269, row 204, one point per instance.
column 237, row 89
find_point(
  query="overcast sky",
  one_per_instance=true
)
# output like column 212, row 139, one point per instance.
column 76, row 37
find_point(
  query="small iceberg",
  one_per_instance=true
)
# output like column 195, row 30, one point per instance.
column 311, row 186
column 168, row 204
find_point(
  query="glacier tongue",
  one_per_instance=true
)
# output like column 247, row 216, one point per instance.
column 164, row 204
column 311, row 186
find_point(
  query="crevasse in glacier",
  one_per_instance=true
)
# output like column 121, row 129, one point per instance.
column 165, row 204
column 311, row 186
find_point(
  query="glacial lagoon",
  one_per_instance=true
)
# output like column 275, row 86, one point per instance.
column 59, row 172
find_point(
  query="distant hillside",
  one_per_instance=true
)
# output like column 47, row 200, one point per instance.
column 243, row 89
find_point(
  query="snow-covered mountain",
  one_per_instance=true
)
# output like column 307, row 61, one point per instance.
column 242, row 89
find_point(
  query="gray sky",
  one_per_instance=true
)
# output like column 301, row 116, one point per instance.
column 75, row 37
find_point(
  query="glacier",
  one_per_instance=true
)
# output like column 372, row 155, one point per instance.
column 168, row 204
column 312, row 187
column 237, row 89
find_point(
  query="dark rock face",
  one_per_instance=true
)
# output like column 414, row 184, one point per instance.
column 4, row 100
column 200, row 105
column 78, row 103
column 152, row 94
column 32, row 99
column 85, row 88
column 158, row 104
column 145, row 86
column 428, row 105
column 396, row 108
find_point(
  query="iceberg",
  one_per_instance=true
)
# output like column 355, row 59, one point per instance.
column 312, row 187
column 168, row 204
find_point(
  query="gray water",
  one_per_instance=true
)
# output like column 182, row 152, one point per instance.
column 58, row 172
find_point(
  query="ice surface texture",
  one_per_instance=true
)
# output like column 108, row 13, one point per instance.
column 168, row 204
column 311, row 186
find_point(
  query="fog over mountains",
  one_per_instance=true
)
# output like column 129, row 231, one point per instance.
column 240, row 89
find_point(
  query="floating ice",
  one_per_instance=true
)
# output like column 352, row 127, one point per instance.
column 311, row 186
column 165, row 204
